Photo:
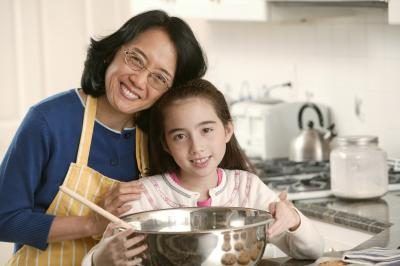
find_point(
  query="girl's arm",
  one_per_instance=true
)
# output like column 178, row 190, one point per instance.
column 303, row 243
column 287, row 218
column 292, row 232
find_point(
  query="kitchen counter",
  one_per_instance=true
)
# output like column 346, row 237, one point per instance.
column 380, row 216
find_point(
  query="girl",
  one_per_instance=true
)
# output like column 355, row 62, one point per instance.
column 196, row 150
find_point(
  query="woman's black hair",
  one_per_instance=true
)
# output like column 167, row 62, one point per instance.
column 160, row 160
column 190, row 64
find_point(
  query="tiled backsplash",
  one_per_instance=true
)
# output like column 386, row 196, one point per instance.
column 343, row 62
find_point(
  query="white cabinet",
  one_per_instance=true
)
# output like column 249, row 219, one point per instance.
column 301, row 10
column 394, row 12
column 254, row 10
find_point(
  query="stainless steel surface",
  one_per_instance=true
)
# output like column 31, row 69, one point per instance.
column 203, row 236
column 311, row 144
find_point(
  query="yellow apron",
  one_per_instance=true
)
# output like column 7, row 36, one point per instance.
column 88, row 183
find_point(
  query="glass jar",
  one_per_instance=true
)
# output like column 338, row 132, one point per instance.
column 358, row 168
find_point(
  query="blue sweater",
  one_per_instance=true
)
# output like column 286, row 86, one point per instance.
column 38, row 159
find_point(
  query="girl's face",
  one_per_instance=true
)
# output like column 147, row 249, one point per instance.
column 195, row 137
column 128, row 90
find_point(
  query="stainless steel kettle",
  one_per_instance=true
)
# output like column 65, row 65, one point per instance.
column 312, row 144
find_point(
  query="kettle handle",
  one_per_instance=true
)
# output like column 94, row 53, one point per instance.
column 317, row 110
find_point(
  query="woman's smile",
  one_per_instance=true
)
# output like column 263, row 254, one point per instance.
column 128, row 94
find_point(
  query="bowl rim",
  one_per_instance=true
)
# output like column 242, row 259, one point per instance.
column 268, row 215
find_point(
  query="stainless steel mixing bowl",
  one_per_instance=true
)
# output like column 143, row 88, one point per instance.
column 203, row 236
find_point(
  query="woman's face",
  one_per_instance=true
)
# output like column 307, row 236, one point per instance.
column 128, row 90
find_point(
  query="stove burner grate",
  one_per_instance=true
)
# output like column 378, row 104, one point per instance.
column 299, row 183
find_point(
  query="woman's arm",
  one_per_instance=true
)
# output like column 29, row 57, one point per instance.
column 21, row 221
column 75, row 227
column 28, row 185
column 123, row 248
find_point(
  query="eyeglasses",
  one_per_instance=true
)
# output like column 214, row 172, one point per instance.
column 156, row 80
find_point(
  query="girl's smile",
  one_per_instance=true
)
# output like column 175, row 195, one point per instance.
column 201, row 162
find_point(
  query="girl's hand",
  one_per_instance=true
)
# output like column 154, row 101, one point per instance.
column 286, row 218
column 122, row 248
column 122, row 193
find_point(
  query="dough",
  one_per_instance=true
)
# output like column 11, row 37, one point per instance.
column 244, row 257
column 228, row 259
column 226, row 246
column 254, row 252
column 238, row 246
column 227, row 237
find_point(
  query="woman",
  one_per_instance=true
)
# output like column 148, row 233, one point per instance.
column 86, row 139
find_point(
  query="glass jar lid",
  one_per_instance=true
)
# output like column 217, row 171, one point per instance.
column 359, row 140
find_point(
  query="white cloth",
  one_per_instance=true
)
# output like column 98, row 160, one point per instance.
column 373, row 256
column 237, row 189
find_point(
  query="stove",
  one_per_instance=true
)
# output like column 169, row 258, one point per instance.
column 306, row 179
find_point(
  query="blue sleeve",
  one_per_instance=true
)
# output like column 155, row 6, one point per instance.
column 20, row 176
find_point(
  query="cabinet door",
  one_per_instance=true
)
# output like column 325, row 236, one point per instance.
column 394, row 12
column 254, row 10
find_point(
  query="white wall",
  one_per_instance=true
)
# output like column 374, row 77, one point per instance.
column 351, row 56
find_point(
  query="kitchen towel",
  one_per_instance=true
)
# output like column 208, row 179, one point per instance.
column 373, row 256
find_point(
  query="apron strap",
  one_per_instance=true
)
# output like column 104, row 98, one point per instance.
column 87, row 130
column 142, row 152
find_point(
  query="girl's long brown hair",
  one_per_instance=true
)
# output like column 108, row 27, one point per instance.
column 160, row 160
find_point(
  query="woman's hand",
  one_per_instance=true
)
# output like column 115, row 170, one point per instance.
column 122, row 193
column 113, row 202
column 286, row 217
column 122, row 248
